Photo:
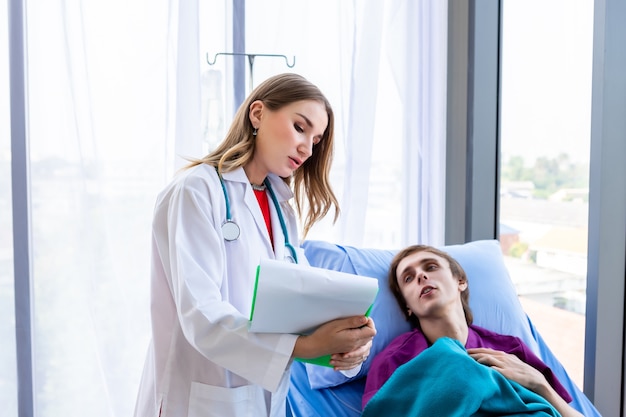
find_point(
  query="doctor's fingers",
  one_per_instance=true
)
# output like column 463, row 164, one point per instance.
column 357, row 336
column 351, row 328
column 354, row 322
column 345, row 361
column 360, row 340
column 340, row 339
column 360, row 353
column 361, row 325
column 367, row 331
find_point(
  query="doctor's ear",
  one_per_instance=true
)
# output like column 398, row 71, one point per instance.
column 256, row 111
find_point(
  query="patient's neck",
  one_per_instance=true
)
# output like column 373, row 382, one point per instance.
column 451, row 326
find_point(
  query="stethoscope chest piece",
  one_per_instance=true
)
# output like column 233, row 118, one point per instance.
column 230, row 230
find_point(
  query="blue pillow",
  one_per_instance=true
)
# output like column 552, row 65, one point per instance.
column 493, row 297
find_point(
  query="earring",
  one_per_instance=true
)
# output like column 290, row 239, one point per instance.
column 254, row 131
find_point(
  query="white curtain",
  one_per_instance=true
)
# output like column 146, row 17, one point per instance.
column 382, row 65
column 420, row 77
column 397, row 110
column 97, row 126
column 183, row 82
column 116, row 104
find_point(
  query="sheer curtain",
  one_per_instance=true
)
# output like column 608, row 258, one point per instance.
column 382, row 65
column 120, row 94
column 98, row 155
column 396, row 133
column 419, row 68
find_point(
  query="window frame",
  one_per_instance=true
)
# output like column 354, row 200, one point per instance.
column 472, row 212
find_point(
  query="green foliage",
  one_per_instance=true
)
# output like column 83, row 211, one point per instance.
column 547, row 174
column 518, row 249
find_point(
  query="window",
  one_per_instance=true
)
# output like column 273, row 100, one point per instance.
column 545, row 137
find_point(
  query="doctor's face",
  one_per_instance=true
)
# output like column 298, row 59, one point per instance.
column 285, row 137
column 428, row 286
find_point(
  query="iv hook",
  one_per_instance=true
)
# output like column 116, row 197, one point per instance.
column 251, row 57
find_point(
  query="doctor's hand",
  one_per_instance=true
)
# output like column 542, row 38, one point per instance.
column 348, row 340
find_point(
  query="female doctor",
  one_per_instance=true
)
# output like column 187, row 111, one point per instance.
column 211, row 226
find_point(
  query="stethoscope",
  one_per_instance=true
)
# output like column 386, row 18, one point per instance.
column 231, row 230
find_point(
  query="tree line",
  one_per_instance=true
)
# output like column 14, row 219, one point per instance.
column 547, row 174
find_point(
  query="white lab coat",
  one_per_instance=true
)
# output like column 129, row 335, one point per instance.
column 202, row 360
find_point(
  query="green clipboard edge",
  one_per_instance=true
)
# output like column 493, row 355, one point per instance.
column 256, row 284
column 322, row 360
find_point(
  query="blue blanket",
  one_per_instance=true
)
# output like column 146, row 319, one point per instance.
column 445, row 381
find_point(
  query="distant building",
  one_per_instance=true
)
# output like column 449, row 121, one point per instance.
column 563, row 249
column 556, row 235
column 514, row 211
column 508, row 237
column 517, row 189
column 571, row 194
column 556, row 231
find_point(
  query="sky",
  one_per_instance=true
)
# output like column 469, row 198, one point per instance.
column 546, row 78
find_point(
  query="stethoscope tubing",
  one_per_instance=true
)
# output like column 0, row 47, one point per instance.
column 283, row 226
column 231, row 230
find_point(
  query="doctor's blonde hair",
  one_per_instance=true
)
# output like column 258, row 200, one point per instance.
column 311, row 185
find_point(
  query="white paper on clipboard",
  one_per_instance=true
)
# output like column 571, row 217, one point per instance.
column 292, row 298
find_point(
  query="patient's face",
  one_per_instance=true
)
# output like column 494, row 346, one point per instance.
column 428, row 286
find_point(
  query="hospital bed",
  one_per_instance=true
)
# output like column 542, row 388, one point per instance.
column 320, row 391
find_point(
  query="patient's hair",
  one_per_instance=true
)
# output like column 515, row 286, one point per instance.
column 311, row 183
column 455, row 268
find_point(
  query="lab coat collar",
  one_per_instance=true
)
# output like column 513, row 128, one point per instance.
column 283, row 193
column 282, row 190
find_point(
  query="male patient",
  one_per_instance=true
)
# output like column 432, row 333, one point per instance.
column 432, row 290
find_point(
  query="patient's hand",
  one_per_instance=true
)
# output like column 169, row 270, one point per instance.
column 511, row 367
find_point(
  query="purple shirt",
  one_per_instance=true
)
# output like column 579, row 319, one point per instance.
column 408, row 345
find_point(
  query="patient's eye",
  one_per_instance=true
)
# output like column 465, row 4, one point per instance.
column 408, row 278
column 431, row 266
column 298, row 128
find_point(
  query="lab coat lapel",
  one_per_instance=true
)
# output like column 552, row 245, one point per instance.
column 251, row 203
column 253, row 206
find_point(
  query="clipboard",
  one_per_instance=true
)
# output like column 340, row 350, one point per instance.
column 296, row 299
